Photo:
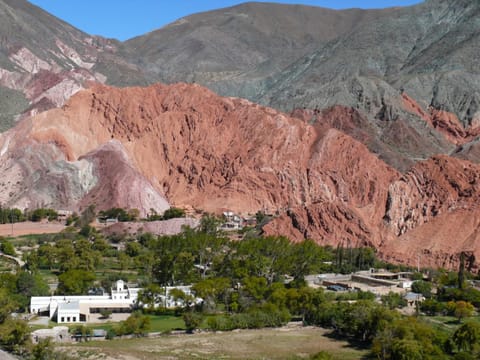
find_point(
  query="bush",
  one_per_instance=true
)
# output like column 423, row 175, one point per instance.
column 7, row 247
column 192, row 321
column 136, row 324
column 173, row 212
column 111, row 334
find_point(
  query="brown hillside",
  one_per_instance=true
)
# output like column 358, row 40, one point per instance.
column 132, row 147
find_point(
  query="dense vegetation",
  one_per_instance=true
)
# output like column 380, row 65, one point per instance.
column 254, row 283
column 14, row 215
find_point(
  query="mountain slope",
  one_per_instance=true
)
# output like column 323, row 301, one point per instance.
column 45, row 61
column 291, row 57
column 377, row 102
column 235, row 50
column 185, row 144
column 288, row 56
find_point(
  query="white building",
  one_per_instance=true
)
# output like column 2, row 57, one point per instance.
column 73, row 309
column 232, row 222
column 169, row 302
column 122, row 299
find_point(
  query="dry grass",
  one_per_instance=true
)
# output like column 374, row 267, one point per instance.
column 284, row 343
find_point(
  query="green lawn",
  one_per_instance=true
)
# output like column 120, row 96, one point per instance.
column 163, row 323
column 159, row 323
column 48, row 276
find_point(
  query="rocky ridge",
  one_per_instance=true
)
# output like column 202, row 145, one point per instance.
column 185, row 144
column 44, row 61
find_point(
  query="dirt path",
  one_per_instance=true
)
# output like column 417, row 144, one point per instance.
column 17, row 260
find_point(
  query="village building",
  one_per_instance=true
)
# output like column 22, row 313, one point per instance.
column 62, row 215
column 56, row 334
column 78, row 309
column 232, row 222
column 379, row 282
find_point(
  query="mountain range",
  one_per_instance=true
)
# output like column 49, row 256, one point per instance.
column 357, row 127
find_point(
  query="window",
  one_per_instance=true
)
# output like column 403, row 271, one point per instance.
column 74, row 319
column 68, row 318
column 63, row 319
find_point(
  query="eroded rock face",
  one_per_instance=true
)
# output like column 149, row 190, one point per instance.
column 444, row 122
column 120, row 185
column 439, row 242
column 40, row 168
column 142, row 147
column 431, row 188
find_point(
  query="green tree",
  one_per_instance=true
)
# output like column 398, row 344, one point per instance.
column 393, row 300
column 7, row 305
column 211, row 291
column 123, row 261
column 48, row 256
column 463, row 309
column 14, row 334
column 29, row 285
column 407, row 349
column 65, row 255
column 255, row 287
column 150, row 296
column 133, row 249
column 180, row 296
column 408, row 338
column 105, row 313
column 209, row 224
column 75, row 282
column 432, row 307
column 86, row 258
column 467, row 336
column 422, row 287
column 183, row 268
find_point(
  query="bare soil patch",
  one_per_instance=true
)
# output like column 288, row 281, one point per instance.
column 280, row 343
column 28, row 228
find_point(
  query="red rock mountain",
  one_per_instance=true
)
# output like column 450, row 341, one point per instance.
column 142, row 147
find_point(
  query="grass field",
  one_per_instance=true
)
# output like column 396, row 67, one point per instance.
column 448, row 324
column 158, row 324
column 284, row 343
